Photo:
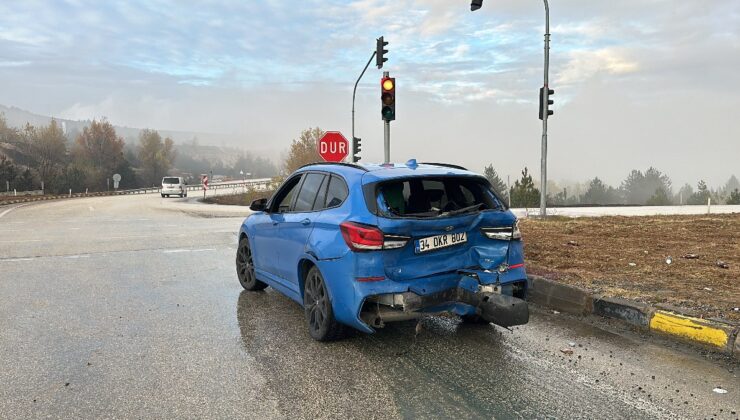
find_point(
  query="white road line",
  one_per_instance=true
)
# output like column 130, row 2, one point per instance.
column 91, row 208
column 130, row 237
column 11, row 209
column 77, row 256
column 175, row 251
column 24, row 240
column 17, row 259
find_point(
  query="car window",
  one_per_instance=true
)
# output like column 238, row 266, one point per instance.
column 435, row 196
column 318, row 204
column 307, row 195
column 171, row 181
column 285, row 195
column 336, row 193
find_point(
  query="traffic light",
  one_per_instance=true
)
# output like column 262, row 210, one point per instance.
column 475, row 5
column 545, row 101
column 356, row 148
column 388, row 98
column 380, row 52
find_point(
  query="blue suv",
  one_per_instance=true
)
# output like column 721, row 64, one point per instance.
column 363, row 245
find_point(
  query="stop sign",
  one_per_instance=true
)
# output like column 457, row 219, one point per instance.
column 333, row 147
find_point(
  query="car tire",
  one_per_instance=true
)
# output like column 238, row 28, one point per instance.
column 322, row 326
column 245, row 267
column 162, row 195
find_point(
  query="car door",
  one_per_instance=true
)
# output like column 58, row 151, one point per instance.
column 265, row 239
column 298, row 224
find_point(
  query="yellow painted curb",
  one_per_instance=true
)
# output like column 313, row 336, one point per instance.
column 689, row 328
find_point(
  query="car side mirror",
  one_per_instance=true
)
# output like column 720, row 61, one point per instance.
column 259, row 204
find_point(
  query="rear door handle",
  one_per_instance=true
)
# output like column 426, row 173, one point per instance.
column 306, row 222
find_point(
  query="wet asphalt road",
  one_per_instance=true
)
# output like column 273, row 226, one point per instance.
column 114, row 307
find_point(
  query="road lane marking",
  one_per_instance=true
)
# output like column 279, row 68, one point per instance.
column 23, row 240
column 78, row 256
column 175, row 251
column 91, row 208
column 18, row 259
column 130, row 237
column 11, row 209
column 687, row 327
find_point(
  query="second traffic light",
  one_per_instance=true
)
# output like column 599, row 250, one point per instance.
column 545, row 101
column 388, row 98
column 356, row 148
column 380, row 52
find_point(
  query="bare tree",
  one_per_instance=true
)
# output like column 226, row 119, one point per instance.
column 49, row 150
column 304, row 150
column 156, row 156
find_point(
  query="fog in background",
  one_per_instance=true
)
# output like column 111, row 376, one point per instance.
column 638, row 83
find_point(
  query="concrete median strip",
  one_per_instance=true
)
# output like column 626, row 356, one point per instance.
column 719, row 335
column 692, row 329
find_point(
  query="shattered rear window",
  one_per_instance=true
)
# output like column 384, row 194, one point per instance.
column 435, row 197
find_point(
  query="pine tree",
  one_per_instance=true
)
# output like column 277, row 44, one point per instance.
column 734, row 197
column 496, row 182
column 523, row 193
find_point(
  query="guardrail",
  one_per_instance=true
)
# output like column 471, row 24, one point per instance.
column 251, row 183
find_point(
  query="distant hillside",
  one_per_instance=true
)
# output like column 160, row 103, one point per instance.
column 18, row 118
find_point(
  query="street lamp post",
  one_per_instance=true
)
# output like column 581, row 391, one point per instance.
column 475, row 5
column 354, row 91
column 543, row 162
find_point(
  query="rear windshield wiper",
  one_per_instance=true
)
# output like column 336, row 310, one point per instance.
column 462, row 210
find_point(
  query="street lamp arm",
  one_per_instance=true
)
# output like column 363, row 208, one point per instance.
column 354, row 92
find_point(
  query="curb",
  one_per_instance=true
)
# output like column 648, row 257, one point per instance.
column 677, row 323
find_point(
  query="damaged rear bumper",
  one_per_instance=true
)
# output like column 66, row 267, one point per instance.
column 501, row 304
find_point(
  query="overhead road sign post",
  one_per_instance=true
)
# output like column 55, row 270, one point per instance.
column 333, row 146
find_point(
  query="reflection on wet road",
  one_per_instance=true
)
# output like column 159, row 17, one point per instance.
column 153, row 323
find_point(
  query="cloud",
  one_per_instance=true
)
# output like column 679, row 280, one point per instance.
column 14, row 63
column 584, row 64
column 265, row 69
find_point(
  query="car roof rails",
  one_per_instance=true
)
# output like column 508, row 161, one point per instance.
column 349, row 165
column 447, row 165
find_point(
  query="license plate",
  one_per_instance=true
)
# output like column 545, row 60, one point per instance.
column 440, row 241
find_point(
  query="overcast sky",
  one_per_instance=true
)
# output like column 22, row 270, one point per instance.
column 638, row 82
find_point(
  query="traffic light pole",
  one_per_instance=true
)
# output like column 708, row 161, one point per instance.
column 545, row 103
column 387, row 141
column 386, row 135
column 354, row 92
column 543, row 163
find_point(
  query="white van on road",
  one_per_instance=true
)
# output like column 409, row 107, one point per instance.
column 174, row 185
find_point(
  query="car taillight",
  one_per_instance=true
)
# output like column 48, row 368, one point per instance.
column 503, row 233
column 369, row 238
